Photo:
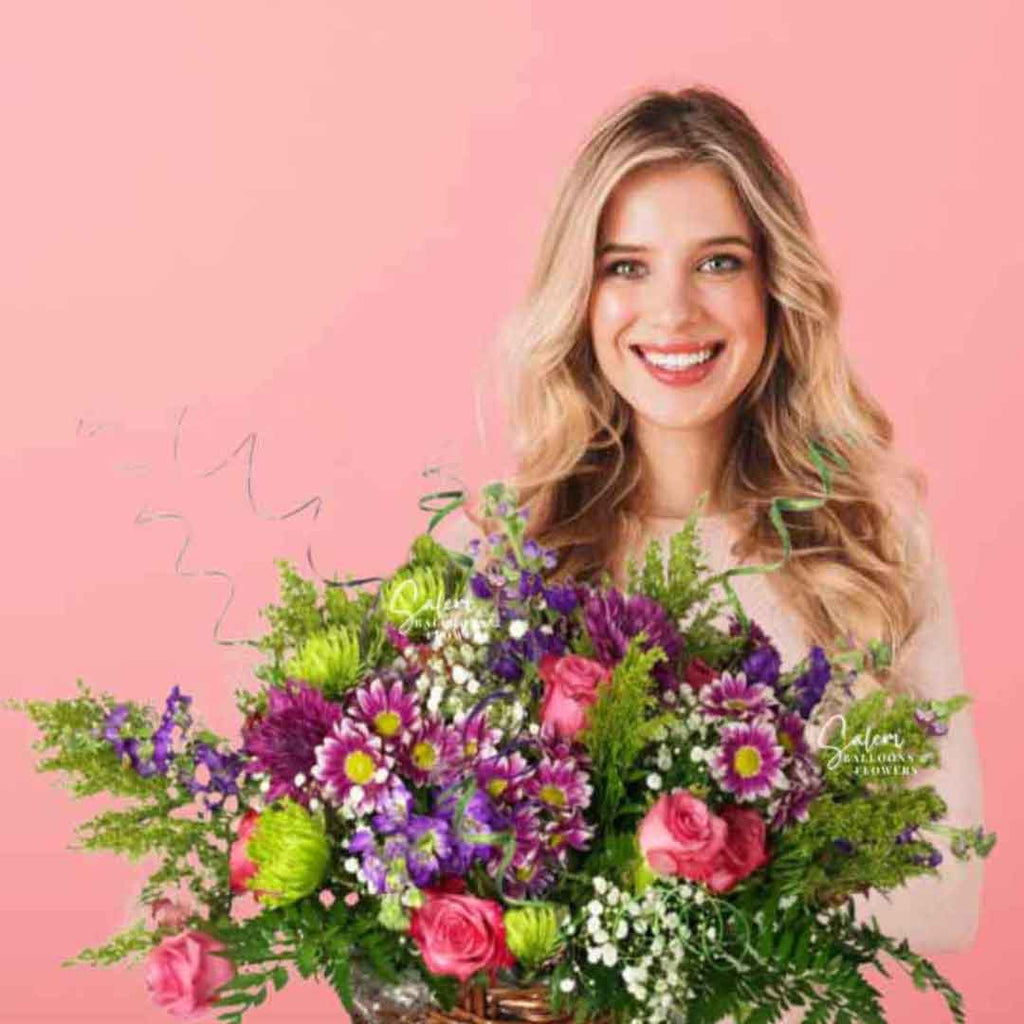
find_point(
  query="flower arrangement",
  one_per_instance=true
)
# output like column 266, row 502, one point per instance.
column 476, row 786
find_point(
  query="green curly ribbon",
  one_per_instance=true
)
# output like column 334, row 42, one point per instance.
column 458, row 498
column 819, row 451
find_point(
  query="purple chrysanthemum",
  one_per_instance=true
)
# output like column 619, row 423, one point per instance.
column 560, row 786
column 748, row 762
column 735, row 696
column 352, row 767
column 282, row 741
column 385, row 709
column 612, row 621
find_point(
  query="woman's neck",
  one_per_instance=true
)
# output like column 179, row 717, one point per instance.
column 679, row 466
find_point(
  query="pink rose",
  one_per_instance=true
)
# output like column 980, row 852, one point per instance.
column 240, row 868
column 743, row 851
column 184, row 971
column 460, row 935
column 170, row 914
column 681, row 836
column 570, row 687
column 699, row 672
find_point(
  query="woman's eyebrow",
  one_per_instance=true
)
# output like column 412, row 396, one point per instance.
column 702, row 244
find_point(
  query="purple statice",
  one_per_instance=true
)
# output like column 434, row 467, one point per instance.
column 432, row 752
column 175, row 714
column 282, row 741
column 613, row 620
column 562, row 599
column 382, row 859
column 507, row 658
column 394, row 807
column 559, row 785
column 735, row 696
column 932, row 859
column 763, row 664
column 908, row 835
column 930, row 722
column 385, row 708
column 222, row 769
column 530, row 583
column 809, row 686
column 111, row 731
column 430, row 843
column 352, row 767
column 748, row 761
column 480, row 586
column 480, row 818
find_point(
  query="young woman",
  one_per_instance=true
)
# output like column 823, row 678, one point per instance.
column 680, row 334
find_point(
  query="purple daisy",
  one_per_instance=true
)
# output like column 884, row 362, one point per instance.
column 502, row 777
column 791, row 734
column 283, row 740
column 352, row 767
column 735, row 696
column 432, row 752
column 559, row 786
column 529, row 874
column 572, row 832
column 386, row 710
column 479, row 739
column 748, row 763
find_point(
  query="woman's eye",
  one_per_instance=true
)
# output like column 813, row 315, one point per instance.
column 612, row 268
column 737, row 262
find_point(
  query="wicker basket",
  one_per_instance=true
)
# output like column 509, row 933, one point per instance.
column 479, row 1005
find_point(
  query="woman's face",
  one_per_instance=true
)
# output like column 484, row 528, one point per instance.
column 662, row 282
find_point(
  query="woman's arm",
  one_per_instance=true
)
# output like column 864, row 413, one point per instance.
column 938, row 915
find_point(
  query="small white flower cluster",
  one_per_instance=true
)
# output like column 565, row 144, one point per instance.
column 451, row 682
column 688, row 735
column 647, row 937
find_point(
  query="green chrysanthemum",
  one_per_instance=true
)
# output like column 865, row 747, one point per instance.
column 329, row 660
column 412, row 598
column 290, row 849
column 532, row 934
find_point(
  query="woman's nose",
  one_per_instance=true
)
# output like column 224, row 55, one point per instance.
column 673, row 302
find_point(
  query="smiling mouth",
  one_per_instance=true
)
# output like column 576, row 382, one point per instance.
column 678, row 360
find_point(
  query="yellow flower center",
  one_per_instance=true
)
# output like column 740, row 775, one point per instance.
column 387, row 723
column 747, row 761
column 553, row 796
column 424, row 756
column 556, row 841
column 736, row 704
column 525, row 873
column 495, row 787
column 471, row 748
column 786, row 742
column 359, row 767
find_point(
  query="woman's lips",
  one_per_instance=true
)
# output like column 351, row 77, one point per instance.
column 686, row 376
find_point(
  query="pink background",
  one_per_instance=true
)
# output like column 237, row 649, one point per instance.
column 306, row 221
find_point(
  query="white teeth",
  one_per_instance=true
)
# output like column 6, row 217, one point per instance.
column 679, row 360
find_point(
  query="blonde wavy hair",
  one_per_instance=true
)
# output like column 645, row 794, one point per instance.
column 577, row 467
